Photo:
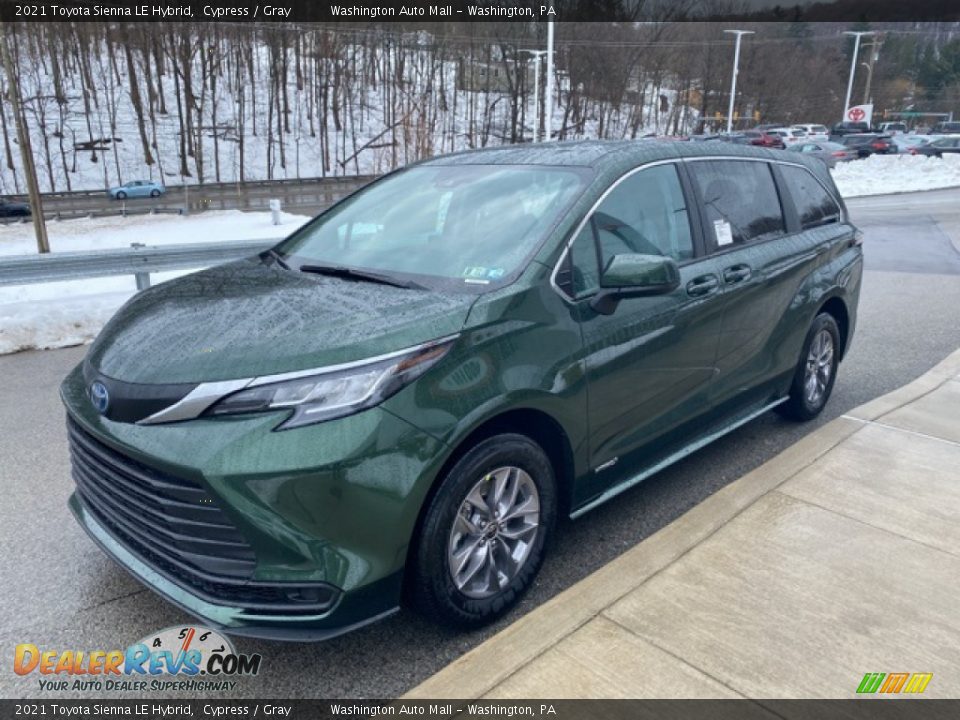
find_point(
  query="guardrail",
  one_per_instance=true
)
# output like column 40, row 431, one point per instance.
column 137, row 260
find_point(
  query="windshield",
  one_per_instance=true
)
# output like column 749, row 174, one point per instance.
column 455, row 227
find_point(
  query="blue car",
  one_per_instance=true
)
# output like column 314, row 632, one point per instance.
column 137, row 188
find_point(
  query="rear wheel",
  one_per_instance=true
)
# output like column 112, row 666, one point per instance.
column 484, row 533
column 816, row 371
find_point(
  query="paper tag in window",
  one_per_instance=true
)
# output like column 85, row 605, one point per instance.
column 722, row 230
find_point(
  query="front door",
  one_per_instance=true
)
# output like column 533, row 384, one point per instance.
column 650, row 363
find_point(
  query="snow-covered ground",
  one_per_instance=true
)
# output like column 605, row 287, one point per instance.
column 60, row 314
column 68, row 313
column 884, row 174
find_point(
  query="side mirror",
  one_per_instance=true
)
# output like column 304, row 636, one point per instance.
column 634, row 275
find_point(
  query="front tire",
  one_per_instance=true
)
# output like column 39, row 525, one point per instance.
column 816, row 371
column 121, row 195
column 154, row 193
column 484, row 533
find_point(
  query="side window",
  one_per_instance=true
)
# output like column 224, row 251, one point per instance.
column 585, row 268
column 646, row 214
column 740, row 200
column 814, row 204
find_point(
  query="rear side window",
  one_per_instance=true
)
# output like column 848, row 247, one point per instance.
column 740, row 200
column 814, row 204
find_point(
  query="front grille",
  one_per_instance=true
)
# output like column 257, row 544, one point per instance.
column 176, row 527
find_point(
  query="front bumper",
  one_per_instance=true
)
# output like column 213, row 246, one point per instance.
column 330, row 508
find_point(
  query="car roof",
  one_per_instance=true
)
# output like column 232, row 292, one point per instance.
column 595, row 153
column 611, row 159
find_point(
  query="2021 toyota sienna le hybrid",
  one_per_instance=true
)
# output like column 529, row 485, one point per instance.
column 400, row 399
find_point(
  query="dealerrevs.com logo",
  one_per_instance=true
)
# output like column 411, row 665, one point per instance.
column 177, row 658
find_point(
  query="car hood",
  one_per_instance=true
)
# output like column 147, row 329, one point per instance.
column 248, row 318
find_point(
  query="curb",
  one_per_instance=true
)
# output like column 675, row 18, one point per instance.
column 533, row 634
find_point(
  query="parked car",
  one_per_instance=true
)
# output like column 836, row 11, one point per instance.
column 848, row 128
column 945, row 128
column 10, row 208
column 906, row 143
column 829, row 152
column 948, row 144
column 869, row 144
column 790, row 135
column 757, row 137
column 893, row 128
column 137, row 188
column 815, row 133
column 402, row 397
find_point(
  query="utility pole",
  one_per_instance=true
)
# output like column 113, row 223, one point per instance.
column 537, row 54
column 874, row 56
column 23, row 137
column 549, row 91
column 853, row 65
column 736, row 71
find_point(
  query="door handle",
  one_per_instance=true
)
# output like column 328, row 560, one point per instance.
column 703, row 285
column 736, row 273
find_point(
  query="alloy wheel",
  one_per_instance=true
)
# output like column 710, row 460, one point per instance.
column 494, row 532
column 819, row 367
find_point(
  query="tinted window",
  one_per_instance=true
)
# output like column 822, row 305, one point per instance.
column 646, row 213
column 814, row 204
column 740, row 200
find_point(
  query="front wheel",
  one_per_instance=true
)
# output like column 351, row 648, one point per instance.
column 154, row 193
column 484, row 533
column 121, row 195
column 816, row 371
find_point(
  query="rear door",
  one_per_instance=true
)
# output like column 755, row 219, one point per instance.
column 761, row 265
column 649, row 364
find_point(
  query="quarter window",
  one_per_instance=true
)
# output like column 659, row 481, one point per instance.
column 740, row 200
column 814, row 204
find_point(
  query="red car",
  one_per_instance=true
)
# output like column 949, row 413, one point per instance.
column 760, row 138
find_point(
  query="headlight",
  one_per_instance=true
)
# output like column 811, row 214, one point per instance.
column 328, row 394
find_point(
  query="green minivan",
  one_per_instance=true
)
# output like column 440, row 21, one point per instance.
column 399, row 400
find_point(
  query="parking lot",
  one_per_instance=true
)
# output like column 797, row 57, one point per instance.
column 63, row 593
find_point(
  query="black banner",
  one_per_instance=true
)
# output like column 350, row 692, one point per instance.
column 867, row 709
column 429, row 11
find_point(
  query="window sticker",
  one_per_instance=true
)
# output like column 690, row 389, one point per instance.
column 722, row 230
column 495, row 273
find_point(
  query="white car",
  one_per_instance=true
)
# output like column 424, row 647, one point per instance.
column 790, row 135
column 815, row 133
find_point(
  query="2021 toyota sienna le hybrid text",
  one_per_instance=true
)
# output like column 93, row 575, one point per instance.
column 400, row 399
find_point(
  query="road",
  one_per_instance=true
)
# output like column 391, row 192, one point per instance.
column 61, row 592
column 305, row 197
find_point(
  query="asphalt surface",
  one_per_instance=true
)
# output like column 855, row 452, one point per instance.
column 60, row 591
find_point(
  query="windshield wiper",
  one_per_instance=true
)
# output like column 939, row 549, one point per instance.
column 353, row 274
column 277, row 257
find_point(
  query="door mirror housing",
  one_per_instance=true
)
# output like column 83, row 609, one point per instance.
column 634, row 275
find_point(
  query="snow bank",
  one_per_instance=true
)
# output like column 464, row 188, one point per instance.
column 61, row 314
column 884, row 174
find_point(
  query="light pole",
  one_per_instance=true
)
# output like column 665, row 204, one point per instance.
column 853, row 66
column 736, row 70
column 537, row 54
column 549, row 88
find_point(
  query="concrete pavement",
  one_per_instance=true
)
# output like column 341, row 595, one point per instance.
column 838, row 557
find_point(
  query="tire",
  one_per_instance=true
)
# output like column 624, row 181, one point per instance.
column 154, row 193
column 445, row 540
column 121, row 195
column 808, row 397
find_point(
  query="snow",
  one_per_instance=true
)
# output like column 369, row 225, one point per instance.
column 61, row 314
column 885, row 174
